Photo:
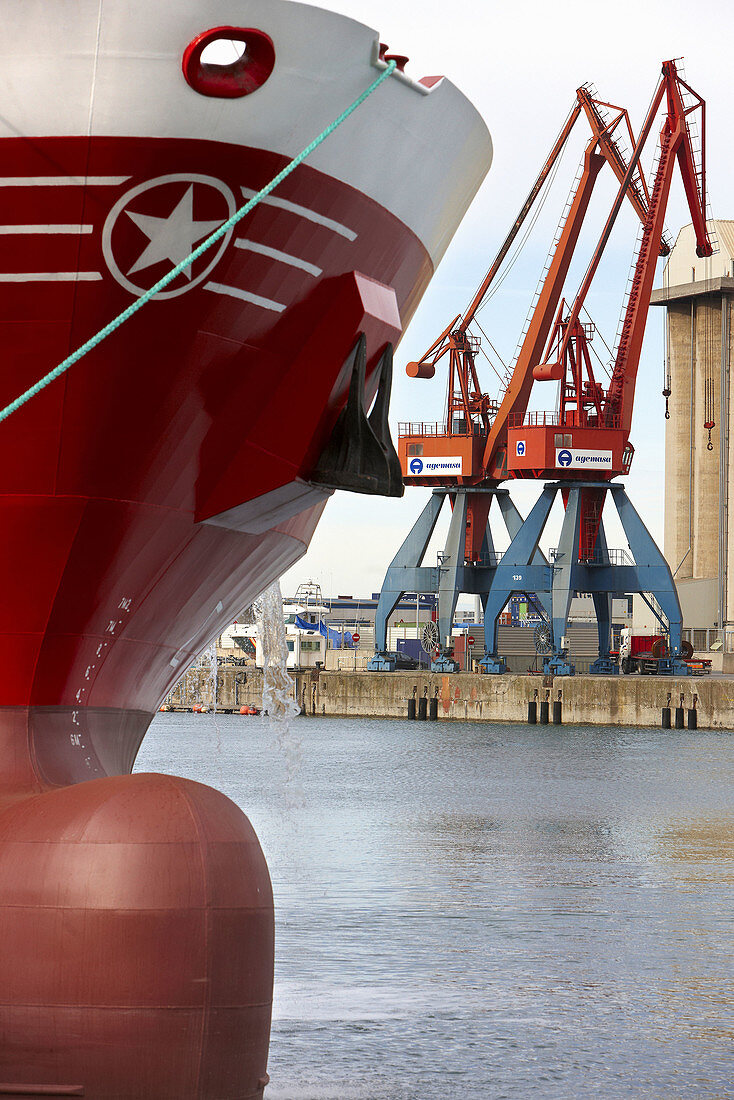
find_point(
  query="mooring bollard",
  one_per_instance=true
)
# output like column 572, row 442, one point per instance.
column 679, row 715
column 423, row 706
column 693, row 715
column 558, row 711
column 667, row 713
column 532, row 712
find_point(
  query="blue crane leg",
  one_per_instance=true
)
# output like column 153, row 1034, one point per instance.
column 403, row 574
column 603, row 600
column 654, row 574
column 511, row 516
column 564, row 570
column 513, row 523
column 515, row 570
column 487, row 554
column 452, row 569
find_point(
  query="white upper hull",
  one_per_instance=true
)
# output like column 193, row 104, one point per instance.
column 113, row 68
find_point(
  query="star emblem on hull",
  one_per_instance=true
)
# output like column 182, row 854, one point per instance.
column 172, row 238
column 154, row 226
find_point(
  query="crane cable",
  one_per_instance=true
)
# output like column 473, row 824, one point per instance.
column 545, row 191
column 494, row 349
column 547, row 186
column 604, row 366
column 708, row 348
column 655, row 149
column 667, row 390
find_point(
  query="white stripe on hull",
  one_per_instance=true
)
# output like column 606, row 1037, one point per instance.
column 303, row 212
column 281, row 257
column 62, row 181
column 245, row 296
column 50, row 277
column 32, row 230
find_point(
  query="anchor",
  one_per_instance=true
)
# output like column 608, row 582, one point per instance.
column 361, row 456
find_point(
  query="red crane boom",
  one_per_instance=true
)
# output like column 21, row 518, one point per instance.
column 675, row 141
column 485, row 442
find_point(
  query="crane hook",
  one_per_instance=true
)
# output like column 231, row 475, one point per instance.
column 666, row 395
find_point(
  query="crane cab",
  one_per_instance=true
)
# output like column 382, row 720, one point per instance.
column 538, row 446
column 431, row 455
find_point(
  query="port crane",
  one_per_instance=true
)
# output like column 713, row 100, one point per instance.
column 584, row 443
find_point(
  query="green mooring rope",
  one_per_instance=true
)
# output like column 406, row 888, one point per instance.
column 215, row 236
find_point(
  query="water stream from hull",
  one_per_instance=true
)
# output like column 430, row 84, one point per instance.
column 209, row 659
column 279, row 706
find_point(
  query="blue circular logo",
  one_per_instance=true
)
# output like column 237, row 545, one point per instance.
column 565, row 458
column 416, row 466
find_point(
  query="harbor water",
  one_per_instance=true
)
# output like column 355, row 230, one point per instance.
column 473, row 910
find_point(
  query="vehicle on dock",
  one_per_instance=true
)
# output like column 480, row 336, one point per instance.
column 649, row 654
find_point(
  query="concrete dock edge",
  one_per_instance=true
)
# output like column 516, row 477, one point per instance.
column 593, row 700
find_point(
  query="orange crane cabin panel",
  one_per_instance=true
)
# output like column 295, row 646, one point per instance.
column 554, row 450
column 439, row 459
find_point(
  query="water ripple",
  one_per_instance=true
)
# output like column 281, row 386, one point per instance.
column 483, row 911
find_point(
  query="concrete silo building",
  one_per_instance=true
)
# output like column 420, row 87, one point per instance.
column 699, row 448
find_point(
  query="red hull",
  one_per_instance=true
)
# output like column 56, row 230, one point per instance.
column 137, row 932
column 166, row 480
column 144, row 499
column 124, row 487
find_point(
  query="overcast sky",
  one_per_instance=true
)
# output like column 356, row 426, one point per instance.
column 520, row 64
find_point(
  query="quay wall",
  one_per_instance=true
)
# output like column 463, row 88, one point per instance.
column 595, row 700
